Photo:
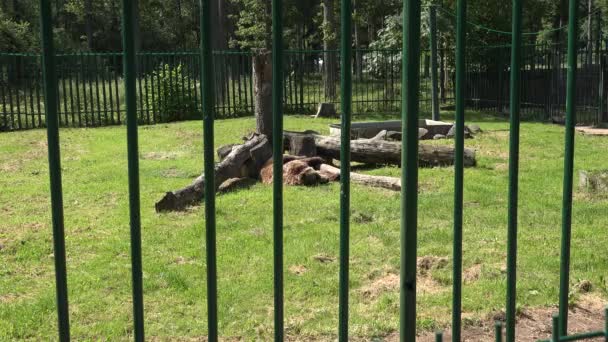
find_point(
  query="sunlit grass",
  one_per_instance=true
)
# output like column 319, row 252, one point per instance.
column 97, row 236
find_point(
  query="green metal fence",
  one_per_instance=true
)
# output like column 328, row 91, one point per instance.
column 410, row 114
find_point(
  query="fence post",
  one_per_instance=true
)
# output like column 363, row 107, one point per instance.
column 434, row 75
column 459, row 168
column 52, row 126
column 606, row 324
column 346, row 108
column 514, row 112
column 409, row 167
column 568, row 167
column 277, row 169
column 208, row 109
column 555, row 328
column 498, row 331
column 130, row 75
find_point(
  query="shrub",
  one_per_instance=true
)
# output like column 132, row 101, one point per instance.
column 173, row 91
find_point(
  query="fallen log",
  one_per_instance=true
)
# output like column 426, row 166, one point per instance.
column 390, row 183
column 244, row 160
column 384, row 152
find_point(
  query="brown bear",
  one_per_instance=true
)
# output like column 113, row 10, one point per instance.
column 296, row 171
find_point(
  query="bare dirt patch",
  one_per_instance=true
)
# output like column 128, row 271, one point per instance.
column 389, row 280
column 298, row 269
column 534, row 323
column 324, row 258
column 161, row 155
column 173, row 173
column 386, row 283
column 501, row 166
column 8, row 298
column 472, row 273
column 428, row 263
column 180, row 260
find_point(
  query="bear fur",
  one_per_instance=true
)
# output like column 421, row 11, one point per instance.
column 297, row 171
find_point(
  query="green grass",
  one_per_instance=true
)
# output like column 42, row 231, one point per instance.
column 97, row 236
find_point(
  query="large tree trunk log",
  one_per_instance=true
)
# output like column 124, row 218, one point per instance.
column 390, row 183
column 385, row 152
column 244, row 160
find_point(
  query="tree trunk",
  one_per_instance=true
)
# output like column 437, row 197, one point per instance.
column 262, row 90
column 589, row 32
column 358, row 55
column 329, row 45
column 390, row 183
column 244, row 160
column 88, row 23
column 384, row 152
column 219, row 42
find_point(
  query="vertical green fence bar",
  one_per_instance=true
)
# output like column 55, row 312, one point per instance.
column 409, row 167
column 515, row 83
column 208, row 108
column 346, row 108
column 498, row 331
column 461, row 17
column 52, row 127
column 129, row 9
column 606, row 324
column 277, row 161
column 568, row 167
column 555, row 328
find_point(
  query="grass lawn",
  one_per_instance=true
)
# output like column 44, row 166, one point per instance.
column 97, row 237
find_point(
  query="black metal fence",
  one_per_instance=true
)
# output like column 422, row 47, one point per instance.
column 91, row 91
column 543, row 88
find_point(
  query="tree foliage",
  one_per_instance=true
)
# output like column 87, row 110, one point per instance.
column 173, row 24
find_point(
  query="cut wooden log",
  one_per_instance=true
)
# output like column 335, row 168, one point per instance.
column 390, row 183
column 241, row 162
column 386, row 152
column 302, row 145
column 234, row 184
column 380, row 136
column 224, row 150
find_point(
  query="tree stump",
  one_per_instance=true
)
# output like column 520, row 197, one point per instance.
column 302, row 145
column 326, row 110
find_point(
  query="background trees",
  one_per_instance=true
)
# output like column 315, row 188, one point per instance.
column 94, row 25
